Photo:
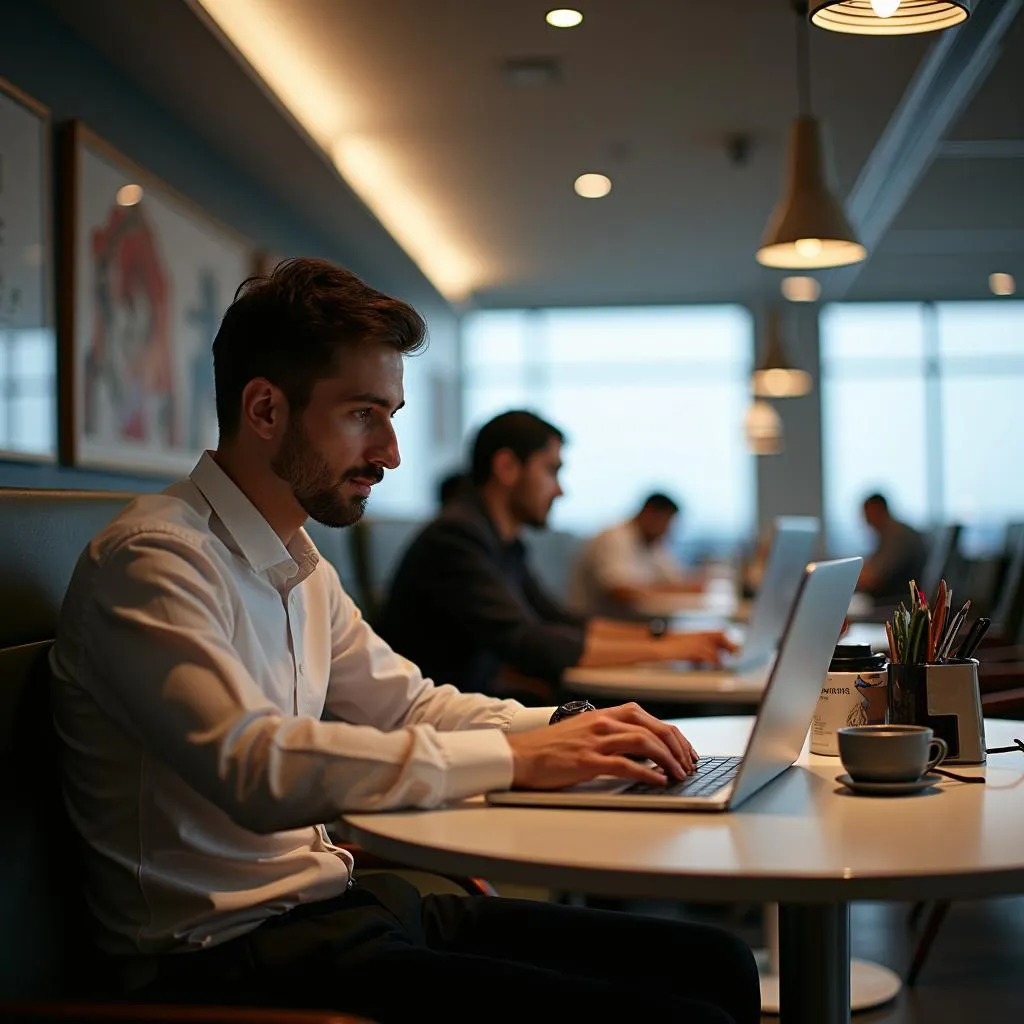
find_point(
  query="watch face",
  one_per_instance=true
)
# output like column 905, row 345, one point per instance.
column 574, row 707
column 570, row 708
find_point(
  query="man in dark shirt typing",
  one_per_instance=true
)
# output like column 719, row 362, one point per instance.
column 464, row 604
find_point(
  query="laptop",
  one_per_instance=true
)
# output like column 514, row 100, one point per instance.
column 792, row 547
column 722, row 783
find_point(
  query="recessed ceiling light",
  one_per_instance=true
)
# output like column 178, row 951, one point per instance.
column 129, row 195
column 563, row 17
column 592, row 186
column 800, row 289
column 1002, row 284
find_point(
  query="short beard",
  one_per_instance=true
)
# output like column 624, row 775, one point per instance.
column 313, row 483
column 527, row 518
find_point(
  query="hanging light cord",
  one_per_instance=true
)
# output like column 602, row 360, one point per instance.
column 803, row 60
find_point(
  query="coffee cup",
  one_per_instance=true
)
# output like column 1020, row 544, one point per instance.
column 889, row 753
column 853, row 694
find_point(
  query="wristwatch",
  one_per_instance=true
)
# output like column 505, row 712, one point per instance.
column 567, row 710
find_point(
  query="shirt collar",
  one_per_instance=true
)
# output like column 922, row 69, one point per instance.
column 475, row 502
column 261, row 547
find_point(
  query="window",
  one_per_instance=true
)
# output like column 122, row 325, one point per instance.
column 649, row 398
column 28, row 390
column 921, row 402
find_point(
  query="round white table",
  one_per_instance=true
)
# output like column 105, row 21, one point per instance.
column 804, row 842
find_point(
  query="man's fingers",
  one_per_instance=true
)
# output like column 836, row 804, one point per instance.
column 672, row 738
column 679, row 744
column 638, row 740
column 669, row 734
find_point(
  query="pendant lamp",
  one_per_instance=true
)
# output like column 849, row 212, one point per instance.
column 775, row 377
column 808, row 229
column 889, row 17
column 763, row 428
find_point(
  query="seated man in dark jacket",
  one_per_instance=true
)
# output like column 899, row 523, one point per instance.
column 464, row 604
column 899, row 556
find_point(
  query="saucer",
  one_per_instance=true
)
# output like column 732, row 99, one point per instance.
column 889, row 788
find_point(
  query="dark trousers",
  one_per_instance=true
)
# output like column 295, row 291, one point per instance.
column 384, row 951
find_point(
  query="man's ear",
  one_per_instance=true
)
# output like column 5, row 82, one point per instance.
column 264, row 408
column 506, row 467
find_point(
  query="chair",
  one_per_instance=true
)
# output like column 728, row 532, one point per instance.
column 944, row 560
column 44, row 951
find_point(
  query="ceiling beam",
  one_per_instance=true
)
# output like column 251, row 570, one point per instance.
column 981, row 149
column 948, row 77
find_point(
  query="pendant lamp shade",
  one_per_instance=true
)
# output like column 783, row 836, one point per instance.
column 872, row 18
column 808, row 229
column 775, row 377
column 763, row 428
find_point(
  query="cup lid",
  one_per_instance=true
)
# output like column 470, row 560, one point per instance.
column 856, row 658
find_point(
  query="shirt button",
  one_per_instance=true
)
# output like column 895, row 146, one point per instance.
column 299, row 667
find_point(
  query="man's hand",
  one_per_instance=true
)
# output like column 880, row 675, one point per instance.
column 702, row 647
column 600, row 743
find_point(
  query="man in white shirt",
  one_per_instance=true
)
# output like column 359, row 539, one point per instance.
column 628, row 562
column 220, row 699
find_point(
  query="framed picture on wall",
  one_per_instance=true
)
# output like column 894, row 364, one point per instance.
column 145, row 277
column 28, row 350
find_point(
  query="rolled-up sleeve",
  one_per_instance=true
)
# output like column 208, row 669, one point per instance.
column 160, row 659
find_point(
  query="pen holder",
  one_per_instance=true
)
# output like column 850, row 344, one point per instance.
column 947, row 699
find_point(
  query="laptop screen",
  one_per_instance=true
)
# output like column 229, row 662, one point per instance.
column 791, row 549
column 795, row 682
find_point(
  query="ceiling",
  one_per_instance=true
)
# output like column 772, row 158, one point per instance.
column 648, row 92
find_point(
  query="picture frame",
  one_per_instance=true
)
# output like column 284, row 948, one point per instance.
column 28, row 347
column 145, row 277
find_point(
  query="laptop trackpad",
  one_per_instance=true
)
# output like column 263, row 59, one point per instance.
column 603, row 784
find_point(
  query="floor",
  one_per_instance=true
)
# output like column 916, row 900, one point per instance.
column 974, row 973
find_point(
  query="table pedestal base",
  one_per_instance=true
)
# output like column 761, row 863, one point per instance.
column 806, row 972
column 871, row 985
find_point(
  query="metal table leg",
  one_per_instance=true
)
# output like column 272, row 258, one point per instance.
column 814, row 962
column 871, row 984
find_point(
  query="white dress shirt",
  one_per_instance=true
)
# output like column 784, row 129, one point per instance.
column 618, row 557
column 219, row 696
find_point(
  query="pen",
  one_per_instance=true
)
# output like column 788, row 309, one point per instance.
column 973, row 638
column 951, row 632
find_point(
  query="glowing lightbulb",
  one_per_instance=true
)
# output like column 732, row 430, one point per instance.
column 129, row 195
column 808, row 247
column 885, row 8
column 566, row 17
column 592, row 186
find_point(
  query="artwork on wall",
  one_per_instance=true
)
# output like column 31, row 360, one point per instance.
column 28, row 363
column 145, row 277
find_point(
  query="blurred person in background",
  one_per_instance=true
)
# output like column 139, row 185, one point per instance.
column 452, row 487
column 629, row 562
column 465, row 605
column 899, row 556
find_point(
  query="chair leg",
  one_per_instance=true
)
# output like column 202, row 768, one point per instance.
column 915, row 913
column 931, row 930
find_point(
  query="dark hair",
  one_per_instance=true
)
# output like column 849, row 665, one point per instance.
column 658, row 502
column 522, row 433
column 288, row 326
column 877, row 499
column 452, row 487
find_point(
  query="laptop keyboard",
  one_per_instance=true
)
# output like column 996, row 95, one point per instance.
column 711, row 775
